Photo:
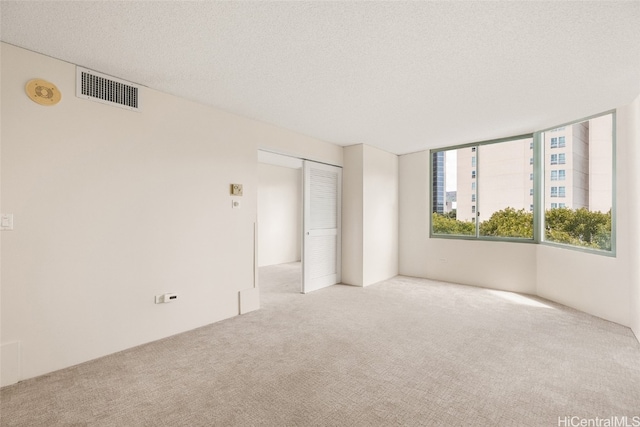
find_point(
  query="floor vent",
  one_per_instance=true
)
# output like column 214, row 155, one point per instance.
column 107, row 90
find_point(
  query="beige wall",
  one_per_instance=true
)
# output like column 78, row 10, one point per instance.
column 279, row 214
column 113, row 207
column 370, row 215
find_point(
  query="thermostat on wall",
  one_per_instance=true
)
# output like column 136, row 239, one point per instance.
column 236, row 189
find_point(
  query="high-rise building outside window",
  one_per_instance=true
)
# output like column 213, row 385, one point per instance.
column 438, row 193
column 585, row 216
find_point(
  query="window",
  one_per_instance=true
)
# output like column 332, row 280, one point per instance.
column 497, row 207
column 584, row 218
column 554, row 142
column 500, row 189
column 450, row 175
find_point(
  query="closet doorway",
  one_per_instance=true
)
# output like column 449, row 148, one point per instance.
column 299, row 217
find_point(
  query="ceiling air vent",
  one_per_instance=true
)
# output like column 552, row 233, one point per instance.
column 107, row 90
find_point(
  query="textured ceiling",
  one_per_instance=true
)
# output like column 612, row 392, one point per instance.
column 399, row 76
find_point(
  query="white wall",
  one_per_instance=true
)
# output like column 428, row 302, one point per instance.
column 380, row 221
column 629, row 130
column 279, row 214
column 113, row 207
column 498, row 265
column 370, row 215
column 599, row 285
column 352, row 214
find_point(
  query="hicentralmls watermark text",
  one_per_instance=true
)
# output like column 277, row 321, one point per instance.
column 613, row 421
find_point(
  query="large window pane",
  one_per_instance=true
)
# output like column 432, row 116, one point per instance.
column 585, row 200
column 504, row 196
column 449, row 189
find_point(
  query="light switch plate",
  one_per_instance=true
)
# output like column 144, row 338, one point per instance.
column 6, row 222
column 236, row 189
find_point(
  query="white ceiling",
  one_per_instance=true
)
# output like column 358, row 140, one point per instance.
column 401, row 76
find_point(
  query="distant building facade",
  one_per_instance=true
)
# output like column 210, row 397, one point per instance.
column 577, row 167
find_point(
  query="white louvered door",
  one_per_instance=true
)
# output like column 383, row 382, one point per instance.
column 321, row 252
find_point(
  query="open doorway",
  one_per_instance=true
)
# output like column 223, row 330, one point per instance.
column 280, row 198
column 299, row 217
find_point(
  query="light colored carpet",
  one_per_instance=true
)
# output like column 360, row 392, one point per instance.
column 405, row 351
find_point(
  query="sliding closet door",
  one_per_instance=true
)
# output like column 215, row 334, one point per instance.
column 321, row 249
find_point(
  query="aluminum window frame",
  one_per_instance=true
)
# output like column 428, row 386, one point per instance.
column 614, row 190
column 474, row 146
column 539, row 171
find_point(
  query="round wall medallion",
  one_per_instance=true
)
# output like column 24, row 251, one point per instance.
column 43, row 92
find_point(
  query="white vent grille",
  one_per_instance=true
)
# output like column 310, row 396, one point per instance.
column 107, row 90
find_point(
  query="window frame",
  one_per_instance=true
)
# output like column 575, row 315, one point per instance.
column 478, row 167
column 539, row 169
column 539, row 211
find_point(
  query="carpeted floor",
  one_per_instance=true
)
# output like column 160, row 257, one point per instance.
column 405, row 351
